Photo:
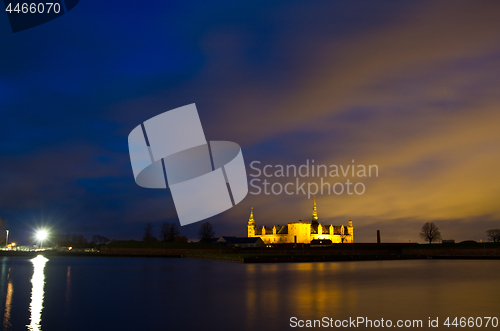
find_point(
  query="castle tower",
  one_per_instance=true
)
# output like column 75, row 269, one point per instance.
column 350, row 229
column 251, row 225
column 315, row 213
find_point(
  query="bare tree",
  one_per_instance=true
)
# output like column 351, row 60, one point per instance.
column 173, row 232
column 78, row 240
column 164, row 229
column 96, row 239
column 168, row 231
column 206, row 232
column 430, row 232
column 99, row 240
column 148, row 232
column 494, row 235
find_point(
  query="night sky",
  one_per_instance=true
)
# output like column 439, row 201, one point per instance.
column 413, row 87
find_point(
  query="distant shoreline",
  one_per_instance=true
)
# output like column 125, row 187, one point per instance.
column 305, row 253
column 299, row 258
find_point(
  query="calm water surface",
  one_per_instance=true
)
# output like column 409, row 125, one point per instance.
column 87, row 293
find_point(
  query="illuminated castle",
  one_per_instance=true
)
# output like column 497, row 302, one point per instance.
column 301, row 232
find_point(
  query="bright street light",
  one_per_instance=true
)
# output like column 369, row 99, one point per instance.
column 41, row 235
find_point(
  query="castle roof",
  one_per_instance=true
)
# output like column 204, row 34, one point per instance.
column 326, row 228
column 282, row 229
column 314, row 228
column 299, row 222
column 268, row 229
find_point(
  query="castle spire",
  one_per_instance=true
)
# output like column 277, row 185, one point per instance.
column 251, row 220
column 251, row 225
column 315, row 213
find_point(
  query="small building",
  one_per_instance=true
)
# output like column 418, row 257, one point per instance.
column 241, row 242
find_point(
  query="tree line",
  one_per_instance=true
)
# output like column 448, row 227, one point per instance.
column 78, row 240
column 169, row 232
column 430, row 232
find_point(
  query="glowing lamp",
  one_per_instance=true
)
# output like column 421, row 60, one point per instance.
column 41, row 235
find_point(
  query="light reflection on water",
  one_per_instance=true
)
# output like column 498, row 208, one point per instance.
column 95, row 293
column 8, row 303
column 37, row 292
column 68, row 286
column 379, row 289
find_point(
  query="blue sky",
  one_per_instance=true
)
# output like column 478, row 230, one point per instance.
column 409, row 86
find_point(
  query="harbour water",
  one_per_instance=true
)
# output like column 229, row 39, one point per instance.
column 97, row 293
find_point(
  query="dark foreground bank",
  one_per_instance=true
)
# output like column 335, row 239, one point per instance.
column 303, row 253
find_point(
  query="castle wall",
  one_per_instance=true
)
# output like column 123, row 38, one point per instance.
column 299, row 232
column 303, row 234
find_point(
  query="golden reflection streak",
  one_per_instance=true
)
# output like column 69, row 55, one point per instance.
column 251, row 295
column 308, row 289
column 8, row 303
column 261, row 296
column 269, row 294
column 68, row 285
column 37, row 293
column 318, row 289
